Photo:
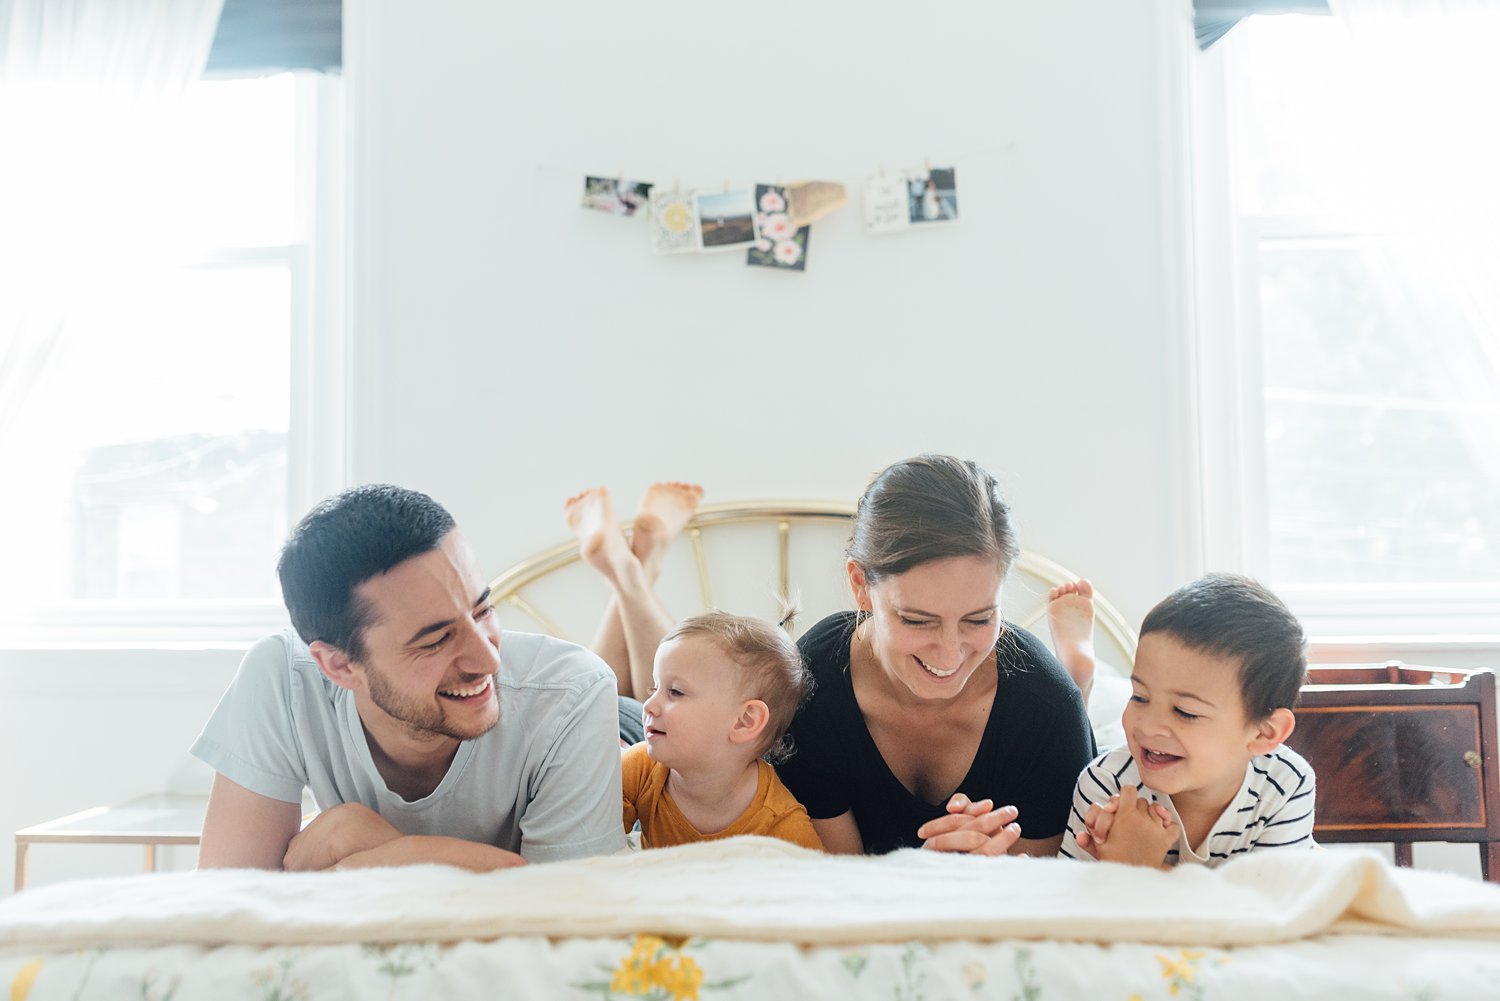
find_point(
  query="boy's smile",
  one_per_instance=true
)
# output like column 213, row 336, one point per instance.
column 1186, row 723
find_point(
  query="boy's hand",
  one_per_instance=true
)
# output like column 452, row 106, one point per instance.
column 1096, row 825
column 973, row 827
column 1140, row 833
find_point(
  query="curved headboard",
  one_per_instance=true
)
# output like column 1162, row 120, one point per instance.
column 748, row 532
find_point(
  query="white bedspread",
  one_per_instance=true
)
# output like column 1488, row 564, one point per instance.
column 758, row 889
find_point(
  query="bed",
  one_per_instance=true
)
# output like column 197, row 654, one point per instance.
column 754, row 918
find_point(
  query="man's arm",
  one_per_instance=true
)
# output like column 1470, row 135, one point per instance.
column 353, row 836
column 416, row 849
column 245, row 830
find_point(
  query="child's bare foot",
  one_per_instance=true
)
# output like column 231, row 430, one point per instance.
column 665, row 509
column 591, row 516
column 1070, row 616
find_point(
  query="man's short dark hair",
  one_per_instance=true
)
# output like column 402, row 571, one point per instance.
column 343, row 542
column 1226, row 615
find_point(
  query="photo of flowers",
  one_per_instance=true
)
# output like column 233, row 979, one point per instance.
column 615, row 195
column 674, row 224
column 726, row 219
column 933, row 196
column 781, row 244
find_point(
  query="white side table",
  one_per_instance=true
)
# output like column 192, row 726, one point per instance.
column 158, row 819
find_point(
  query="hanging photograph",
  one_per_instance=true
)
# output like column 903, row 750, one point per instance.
column 727, row 219
column 932, row 196
column 885, row 205
column 674, row 222
column 781, row 244
column 614, row 195
column 809, row 201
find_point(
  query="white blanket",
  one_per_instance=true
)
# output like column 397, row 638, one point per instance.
column 758, row 889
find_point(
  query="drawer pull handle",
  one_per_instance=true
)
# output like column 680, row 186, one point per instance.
column 1471, row 758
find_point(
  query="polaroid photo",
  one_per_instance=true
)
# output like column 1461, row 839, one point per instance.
column 726, row 219
column 885, row 207
column 615, row 195
column 782, row 244
column 932, row 195
column 674, row 223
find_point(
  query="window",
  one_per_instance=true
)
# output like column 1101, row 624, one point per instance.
column 1361, row 472
column 171, row 427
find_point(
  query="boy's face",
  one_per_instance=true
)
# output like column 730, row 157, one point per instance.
column 695, row 703
column 1186, row 723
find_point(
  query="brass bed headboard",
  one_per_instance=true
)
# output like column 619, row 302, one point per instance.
column 1116, row 640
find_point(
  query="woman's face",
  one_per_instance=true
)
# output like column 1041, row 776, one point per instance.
column 931, row 627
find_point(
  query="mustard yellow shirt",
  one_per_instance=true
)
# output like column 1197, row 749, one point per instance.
column 774, row 812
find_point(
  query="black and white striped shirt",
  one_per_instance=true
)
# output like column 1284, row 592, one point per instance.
column 1273, row 809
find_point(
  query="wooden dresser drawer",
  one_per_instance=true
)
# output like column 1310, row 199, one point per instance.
column 1403, row 754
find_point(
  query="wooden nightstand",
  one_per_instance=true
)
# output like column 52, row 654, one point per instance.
column 1403, row 754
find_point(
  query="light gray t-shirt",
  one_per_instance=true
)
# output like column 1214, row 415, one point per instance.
column 544, row 782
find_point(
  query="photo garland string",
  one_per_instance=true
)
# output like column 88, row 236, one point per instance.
column 772, row 223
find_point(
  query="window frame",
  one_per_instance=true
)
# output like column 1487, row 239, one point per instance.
column 317, row 452
column 1383, row 619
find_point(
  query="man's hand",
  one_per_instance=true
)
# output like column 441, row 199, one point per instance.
column 1140, row 833
column 415, row 849
column 336, row 834
column 976, row 828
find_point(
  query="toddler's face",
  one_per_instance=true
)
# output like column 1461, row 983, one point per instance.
column 1186, row 723
column 694, row 705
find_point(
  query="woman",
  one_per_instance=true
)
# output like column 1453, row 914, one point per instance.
column 929, row 709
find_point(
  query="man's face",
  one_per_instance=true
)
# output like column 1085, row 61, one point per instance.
column 433, row 649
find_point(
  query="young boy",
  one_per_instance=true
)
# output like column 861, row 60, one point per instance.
column 726, row 688
column 1203, row 776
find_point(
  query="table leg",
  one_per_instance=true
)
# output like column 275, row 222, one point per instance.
column 1403, row 854
column 1489, row 861
column 21, row 847
column 150, row 858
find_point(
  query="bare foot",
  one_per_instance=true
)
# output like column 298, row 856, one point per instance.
column 665, row 509
column 1070, row 616
column 591, row 516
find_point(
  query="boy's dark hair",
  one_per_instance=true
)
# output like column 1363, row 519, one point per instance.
column 771, row 668
column 343, row 542
column 1231, row 616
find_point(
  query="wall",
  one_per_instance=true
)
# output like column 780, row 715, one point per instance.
column 513, row 348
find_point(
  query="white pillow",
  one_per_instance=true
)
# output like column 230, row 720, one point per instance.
column 1107, row 704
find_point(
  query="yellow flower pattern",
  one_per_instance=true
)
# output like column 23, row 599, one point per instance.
column 20, row 985
column 656, row 965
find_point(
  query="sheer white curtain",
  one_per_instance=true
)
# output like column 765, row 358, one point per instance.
column 1431, row 66
column 83, row 87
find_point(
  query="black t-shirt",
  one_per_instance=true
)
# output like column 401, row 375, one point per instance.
column 1035, row 744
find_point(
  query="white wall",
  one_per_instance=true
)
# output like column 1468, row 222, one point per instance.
column 515, row 348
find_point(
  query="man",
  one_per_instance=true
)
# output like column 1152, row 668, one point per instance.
column 419, row 741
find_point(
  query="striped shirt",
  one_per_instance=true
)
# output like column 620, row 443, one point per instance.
column 1273, row 809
